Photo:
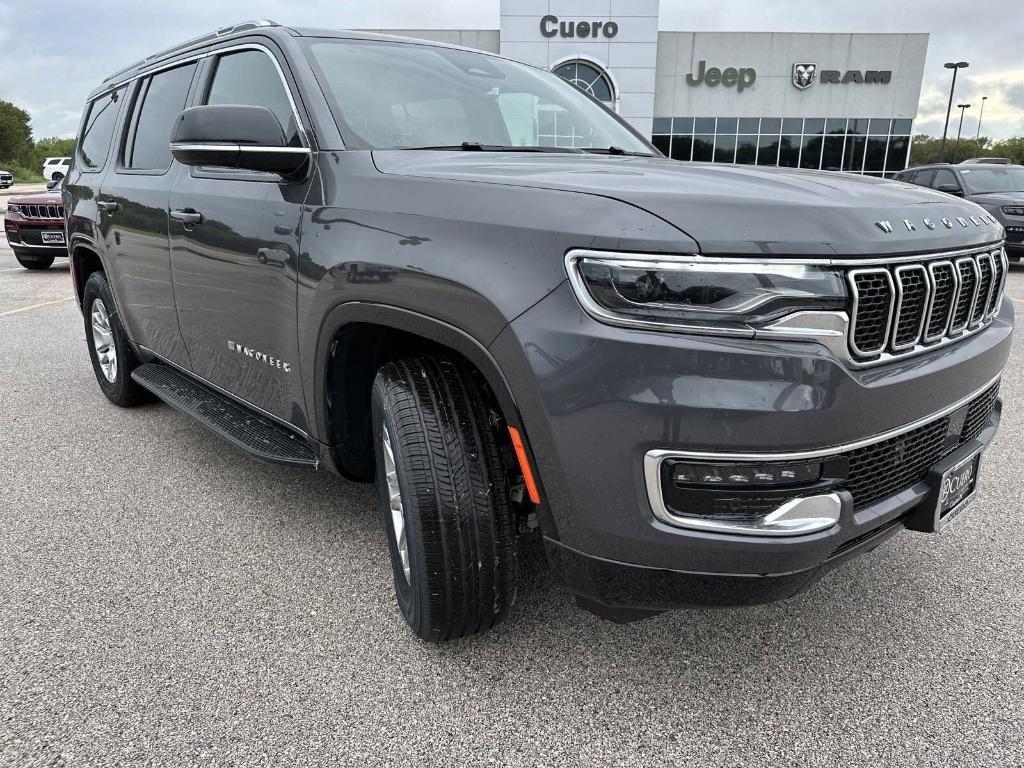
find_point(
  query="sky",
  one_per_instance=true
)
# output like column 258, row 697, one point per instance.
column 55, row 52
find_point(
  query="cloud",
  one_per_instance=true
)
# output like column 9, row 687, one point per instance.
column 1013, row 94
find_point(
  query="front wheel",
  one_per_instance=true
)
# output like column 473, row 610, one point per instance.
column 113, row 358
column 34, row 262
column 445, row 499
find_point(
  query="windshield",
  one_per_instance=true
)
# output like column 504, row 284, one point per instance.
column 388, row 95
column 993, row 179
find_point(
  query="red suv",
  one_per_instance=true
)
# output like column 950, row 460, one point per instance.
column 35, row 229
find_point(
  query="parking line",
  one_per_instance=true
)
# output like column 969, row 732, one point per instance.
column 36, row 306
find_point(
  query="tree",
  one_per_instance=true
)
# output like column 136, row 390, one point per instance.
column 15, row 133
column 1011, row 148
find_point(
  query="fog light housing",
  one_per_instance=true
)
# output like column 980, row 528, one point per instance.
column 765, row 498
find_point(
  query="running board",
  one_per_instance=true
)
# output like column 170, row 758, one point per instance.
column 254, row 433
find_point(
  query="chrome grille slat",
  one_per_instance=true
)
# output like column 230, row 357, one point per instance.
column 967, row 269
column 909, row 306
column 997, row 283
column 945, row 284
column 986, row 272
column 874, row 296
column 913, row 292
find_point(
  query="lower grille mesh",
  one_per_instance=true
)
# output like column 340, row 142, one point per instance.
column 882, row 469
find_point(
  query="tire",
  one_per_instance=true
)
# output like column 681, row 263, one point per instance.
column 34, row 262
column 56, row 176
column 116, row 381
column 459, row 575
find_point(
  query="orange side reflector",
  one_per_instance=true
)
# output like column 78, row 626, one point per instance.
column 524, row 465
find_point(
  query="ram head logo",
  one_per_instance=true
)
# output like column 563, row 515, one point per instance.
column 803, row 75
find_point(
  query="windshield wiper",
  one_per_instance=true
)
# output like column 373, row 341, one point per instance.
column 616, row 151
column 476, row 146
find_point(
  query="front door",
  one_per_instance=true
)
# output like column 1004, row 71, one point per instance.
column 234, row 245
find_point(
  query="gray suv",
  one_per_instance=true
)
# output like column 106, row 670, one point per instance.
column 464, row 279
column 999, row 189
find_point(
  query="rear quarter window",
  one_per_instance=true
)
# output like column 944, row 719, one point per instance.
column 157, row 104
column 98, row 129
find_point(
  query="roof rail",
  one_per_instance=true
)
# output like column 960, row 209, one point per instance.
column 222, row 32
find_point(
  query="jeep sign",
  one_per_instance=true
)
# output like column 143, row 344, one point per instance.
column 730, row 77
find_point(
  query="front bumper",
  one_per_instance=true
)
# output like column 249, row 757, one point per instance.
column 26, row 236
column 596, row 399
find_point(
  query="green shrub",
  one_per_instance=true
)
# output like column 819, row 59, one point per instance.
column 21, row 174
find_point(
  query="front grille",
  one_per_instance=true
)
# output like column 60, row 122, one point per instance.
column 885, row 468
column 911, row 306
column 43, row 211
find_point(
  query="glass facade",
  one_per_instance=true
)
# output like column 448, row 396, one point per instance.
column 872, row 146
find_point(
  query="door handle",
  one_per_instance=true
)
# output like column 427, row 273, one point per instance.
column 187, row 216
column 107, row 205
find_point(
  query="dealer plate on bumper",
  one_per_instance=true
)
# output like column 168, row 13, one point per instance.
column 954, row 482
column 52, row 238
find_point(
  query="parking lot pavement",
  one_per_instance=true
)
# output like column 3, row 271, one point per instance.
column 168, row 601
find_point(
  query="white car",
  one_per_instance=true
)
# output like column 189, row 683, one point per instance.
column 56, row 168
column 6, row 179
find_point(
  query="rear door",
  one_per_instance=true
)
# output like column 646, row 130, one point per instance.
column 234, row 268
column 135, row 195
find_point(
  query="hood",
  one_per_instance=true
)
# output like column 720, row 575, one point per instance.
column 43, row 198
column 732, row 209
column 998, row 198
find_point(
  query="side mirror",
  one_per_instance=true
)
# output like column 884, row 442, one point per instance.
column 951, row 189
column 235, row 136
column 53, row 184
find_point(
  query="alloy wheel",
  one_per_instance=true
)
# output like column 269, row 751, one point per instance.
column 103, row 340
column 395, row 502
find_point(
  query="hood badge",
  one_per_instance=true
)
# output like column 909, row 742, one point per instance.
column 886, row 226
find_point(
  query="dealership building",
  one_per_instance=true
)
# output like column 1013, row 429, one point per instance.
column 836, row 101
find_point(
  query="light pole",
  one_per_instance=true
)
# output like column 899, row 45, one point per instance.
column 954, row 65
column 956, row 150
column 981, row 115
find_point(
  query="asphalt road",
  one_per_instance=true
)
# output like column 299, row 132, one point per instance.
column 164, row 600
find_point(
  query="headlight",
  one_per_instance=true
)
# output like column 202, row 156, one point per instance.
column 1013, row 210
column 694, row 293
column 13, row 208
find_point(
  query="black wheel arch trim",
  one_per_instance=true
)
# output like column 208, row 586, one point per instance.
column 431, row 329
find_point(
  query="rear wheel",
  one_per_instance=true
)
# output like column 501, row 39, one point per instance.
column 445, row 499
column 113, row 358
column 34, row 262
column 56, row 176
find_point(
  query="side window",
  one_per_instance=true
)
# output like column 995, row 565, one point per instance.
column 945, row 181
column 251, row 78
column 158, row 101
column 924, row 178
column 99, row 129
